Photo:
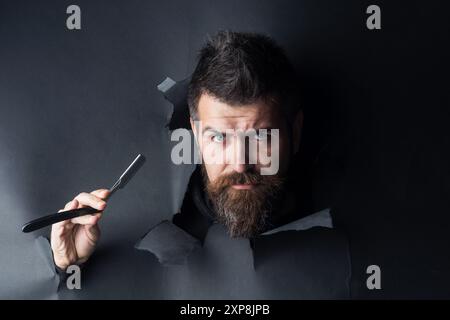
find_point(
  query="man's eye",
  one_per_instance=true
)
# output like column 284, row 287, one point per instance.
column 218, row 138
column 262, row 135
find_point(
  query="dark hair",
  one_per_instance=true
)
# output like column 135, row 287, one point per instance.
column 241, row 68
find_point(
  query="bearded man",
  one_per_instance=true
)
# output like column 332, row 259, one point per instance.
column 245, row 228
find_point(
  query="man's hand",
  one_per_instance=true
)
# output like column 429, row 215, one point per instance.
column 73, row 241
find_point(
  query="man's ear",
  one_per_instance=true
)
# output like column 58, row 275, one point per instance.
column 297, row 126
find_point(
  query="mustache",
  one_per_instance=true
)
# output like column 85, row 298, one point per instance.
column 267, row 184
column 239, row 178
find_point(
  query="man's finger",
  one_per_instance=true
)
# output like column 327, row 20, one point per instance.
column 91, row 200
column 86, row 220
column 101, row 193
column 58, row 229
column 70, row 206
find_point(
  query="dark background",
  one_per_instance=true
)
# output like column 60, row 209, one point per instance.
column 77, row 106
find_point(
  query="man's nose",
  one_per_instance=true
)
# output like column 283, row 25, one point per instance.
column 241, row 168
column 241, row 161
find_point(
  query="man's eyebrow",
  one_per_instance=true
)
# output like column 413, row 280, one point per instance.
column 209, row 128
column 268, row 128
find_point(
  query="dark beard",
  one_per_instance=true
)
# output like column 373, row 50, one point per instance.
column 243, row 212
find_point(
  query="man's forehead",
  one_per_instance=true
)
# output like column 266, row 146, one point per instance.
column 254, row 115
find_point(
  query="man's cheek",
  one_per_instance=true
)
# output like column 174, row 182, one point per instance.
column 213, row 154
column 270, row 154
column 213, row 171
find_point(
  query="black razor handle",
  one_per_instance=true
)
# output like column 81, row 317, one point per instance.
column 56, row 217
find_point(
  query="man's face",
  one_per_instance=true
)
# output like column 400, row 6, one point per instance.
column 231, row 136
column 237, row 144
